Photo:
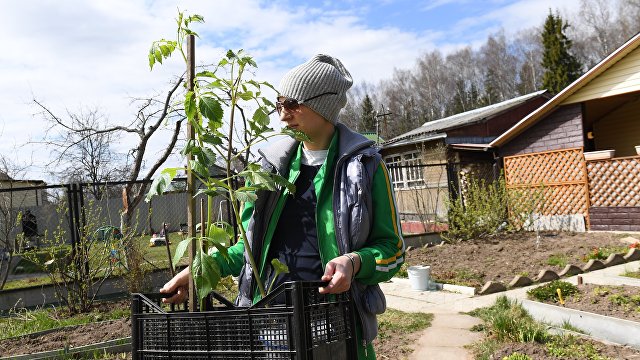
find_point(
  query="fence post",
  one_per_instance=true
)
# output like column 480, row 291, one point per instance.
column 453, row 183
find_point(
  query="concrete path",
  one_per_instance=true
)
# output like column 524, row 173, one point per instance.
column 450, row 330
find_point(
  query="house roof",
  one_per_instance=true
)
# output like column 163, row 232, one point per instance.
column 572, row 88
column 4, row 176
column 438, row 127
column 373, row 136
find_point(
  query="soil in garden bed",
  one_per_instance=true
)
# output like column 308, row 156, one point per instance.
column 618, row 301
column 71, row 337
column 582, row 349
column 500, row 258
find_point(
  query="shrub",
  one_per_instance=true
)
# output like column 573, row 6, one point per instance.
column 480, row 211
column 549, row 292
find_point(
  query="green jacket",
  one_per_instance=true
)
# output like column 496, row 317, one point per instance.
column 375, row 234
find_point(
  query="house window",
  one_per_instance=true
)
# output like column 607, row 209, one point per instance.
column 405, row 170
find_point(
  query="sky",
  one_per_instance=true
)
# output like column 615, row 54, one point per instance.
column 76, row 55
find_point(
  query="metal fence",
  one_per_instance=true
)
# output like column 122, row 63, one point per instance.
column 423, row 191
column 68, row 205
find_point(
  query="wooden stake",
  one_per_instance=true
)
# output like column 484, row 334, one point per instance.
column 166, row 242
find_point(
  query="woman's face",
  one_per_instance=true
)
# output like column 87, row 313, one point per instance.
column 306, row 120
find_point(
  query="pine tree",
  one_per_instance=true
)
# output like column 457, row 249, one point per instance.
column 561, row 67
column 367, row 117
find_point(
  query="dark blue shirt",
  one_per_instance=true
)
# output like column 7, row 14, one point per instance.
column 295, row 240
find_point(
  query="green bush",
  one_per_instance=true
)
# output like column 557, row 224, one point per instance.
column 486, row 208
column 549, row 291
column 481, row 210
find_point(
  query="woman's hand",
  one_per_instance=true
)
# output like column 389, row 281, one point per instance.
column 340, row 272
column 178, row 285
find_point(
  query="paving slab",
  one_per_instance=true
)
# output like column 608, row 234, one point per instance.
column 450, row 330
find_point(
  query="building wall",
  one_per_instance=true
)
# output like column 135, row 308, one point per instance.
column 623, row 77
column 20, row 199
column 620, row 218
column 619, row 130
column 562, row 129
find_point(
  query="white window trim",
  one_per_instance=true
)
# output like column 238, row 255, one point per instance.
column 405, row 183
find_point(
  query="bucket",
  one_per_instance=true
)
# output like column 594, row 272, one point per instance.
column 419, row 277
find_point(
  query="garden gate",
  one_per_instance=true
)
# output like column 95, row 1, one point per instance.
column 561, row 175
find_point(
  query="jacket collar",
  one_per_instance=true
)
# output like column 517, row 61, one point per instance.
column 279, row 154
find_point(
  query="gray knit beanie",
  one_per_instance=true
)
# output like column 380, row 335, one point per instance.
column 321, row 74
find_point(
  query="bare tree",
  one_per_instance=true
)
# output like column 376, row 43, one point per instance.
column 152, row 113
column 81, row 150
column 500, row 69
column 528, row 48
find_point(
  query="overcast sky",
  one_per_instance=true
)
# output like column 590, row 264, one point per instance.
column 77, row 54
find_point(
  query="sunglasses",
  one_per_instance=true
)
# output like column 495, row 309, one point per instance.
column 291, row 104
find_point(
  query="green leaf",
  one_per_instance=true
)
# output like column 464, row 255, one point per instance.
column 246, row 196
column 206, row 273
column 152, row 59
column 296, row 134
column 190, row 105
column 210, row 108
column 258, row 177
column 190, row 32
column 284, row 182
column 199, row 168
column 231, row 54
column 211, row 139
column 206, row 73
column 279, row 267
column 188, row 147
column 268, row 103
column 209, row 155
column 162, row 182
column 180, row 250
column 166, row 50
column 261, row 116
column 211, row 192
column 158, row 54
column 226, row 227
column 247, row 95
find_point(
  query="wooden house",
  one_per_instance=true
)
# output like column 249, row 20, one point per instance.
column 581, row 148
column 427, row 165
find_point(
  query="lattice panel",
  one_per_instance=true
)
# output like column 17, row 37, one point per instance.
column 554, row 167
column 561, row 175
column 614, row 182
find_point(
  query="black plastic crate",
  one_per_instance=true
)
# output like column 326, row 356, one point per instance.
column 307, row 325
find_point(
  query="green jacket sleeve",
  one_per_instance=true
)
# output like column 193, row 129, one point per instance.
column 384, row 253
column 234, row 264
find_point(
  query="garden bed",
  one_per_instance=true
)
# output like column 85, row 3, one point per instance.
column 622, row 302
column 502, row 257
column 512, row 333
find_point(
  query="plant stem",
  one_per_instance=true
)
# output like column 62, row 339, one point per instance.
column 232, row 196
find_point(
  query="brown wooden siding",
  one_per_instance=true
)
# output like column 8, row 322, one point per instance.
column 562, row 129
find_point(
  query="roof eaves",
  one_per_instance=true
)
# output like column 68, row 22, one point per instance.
column 555, row 101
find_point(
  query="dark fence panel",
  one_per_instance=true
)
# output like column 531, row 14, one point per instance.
column 68, row 205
